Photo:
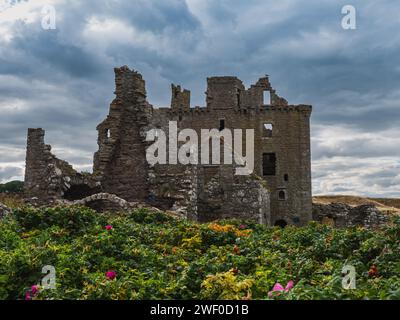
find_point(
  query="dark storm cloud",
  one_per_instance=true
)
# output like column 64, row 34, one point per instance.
column 66, row 58
column 62, row 80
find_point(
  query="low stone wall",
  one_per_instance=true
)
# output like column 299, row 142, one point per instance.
column 223, row 195
column 343, row 215
column 174, row 188
column 103, row 202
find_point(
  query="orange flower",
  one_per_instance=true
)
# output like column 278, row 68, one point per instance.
column 219, row 228
column 243, row 233
column 229, row 228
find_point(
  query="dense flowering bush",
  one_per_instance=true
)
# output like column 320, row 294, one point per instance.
column 146, row 255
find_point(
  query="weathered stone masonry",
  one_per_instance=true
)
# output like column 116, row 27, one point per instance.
column 48, row 178
column 343, row 215
column 279, row 190
column 120, row 160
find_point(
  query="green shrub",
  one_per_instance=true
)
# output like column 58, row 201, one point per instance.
column 159, row 257
column 74, row 219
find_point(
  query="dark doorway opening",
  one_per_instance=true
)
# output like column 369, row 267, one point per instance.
column 280, row 223
column 80, row 191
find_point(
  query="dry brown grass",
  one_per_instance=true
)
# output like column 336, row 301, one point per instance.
column 11, row 200
column 391, row 206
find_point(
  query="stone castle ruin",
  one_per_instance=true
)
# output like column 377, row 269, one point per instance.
column 278, row 192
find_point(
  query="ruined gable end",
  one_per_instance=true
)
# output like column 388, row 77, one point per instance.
column 48, row 178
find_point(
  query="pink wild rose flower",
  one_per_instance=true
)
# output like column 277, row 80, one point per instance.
column 28, row 296
column 111, row 274
column 279, row 288
column 109, row 227
column 34, row 290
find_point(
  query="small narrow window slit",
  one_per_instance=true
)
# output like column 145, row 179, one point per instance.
column 108, row 133
column 221, row 124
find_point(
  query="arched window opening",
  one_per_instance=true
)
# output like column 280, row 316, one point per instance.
column 282, row 195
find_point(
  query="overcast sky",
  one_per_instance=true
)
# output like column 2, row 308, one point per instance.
column 62, row 80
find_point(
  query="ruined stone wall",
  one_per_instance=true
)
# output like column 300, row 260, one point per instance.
column 120, row 161
column 224, row 93
column 222, row 194
column 238, row 108
column 202, row 192
column 290, row 141
column 174, row 188
column 48, row 178
column 342, row 215
column 206, row 193
column 121, row 167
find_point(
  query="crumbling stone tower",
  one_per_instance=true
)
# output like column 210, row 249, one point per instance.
column 279, row 190
column 119, row 162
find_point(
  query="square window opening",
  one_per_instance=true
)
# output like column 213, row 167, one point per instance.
column 267, row 130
